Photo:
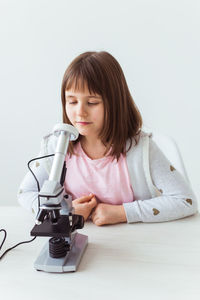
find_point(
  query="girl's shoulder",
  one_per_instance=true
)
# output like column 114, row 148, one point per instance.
column 137, row 141
column 48, row 144
column 145, row 133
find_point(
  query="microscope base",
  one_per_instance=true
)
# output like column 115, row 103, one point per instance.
column 69, row 263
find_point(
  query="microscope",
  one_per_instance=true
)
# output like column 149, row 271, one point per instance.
column 55, row 217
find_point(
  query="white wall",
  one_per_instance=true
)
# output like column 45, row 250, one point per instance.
column 156, row 42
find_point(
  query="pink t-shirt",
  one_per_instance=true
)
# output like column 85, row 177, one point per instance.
column 108, row 180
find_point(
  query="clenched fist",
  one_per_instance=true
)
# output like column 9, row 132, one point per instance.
column 108, row 214
column 84, row 205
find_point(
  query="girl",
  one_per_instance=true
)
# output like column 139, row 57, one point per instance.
column 115, row 172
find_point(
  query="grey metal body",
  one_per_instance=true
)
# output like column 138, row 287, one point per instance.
column 69, row 263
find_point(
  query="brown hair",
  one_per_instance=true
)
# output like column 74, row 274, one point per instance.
column 103, row 75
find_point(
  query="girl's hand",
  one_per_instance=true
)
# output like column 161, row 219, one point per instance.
column 108, row 214
column 84, row 205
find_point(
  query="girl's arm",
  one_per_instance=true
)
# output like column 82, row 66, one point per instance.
column 28, row 191
column 177, row 199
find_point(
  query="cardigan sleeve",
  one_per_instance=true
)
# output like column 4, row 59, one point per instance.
column 176, row 199
column 27, row 194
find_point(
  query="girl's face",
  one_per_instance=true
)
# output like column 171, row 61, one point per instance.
column 85, row 111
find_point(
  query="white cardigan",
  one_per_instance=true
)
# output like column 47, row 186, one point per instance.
column 160, row 191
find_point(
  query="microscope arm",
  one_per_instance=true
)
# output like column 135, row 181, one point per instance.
column 52, row 191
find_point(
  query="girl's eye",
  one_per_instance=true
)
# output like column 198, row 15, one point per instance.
column 92, row 103
column 89, row 103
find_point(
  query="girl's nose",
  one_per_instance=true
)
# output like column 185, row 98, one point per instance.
column 81, row 110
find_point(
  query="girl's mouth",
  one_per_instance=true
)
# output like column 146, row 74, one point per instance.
column 83, row 123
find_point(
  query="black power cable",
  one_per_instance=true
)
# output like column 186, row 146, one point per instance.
column 38, row 186
column 5, row 235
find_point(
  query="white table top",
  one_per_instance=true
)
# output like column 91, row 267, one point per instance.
column 125, row 261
